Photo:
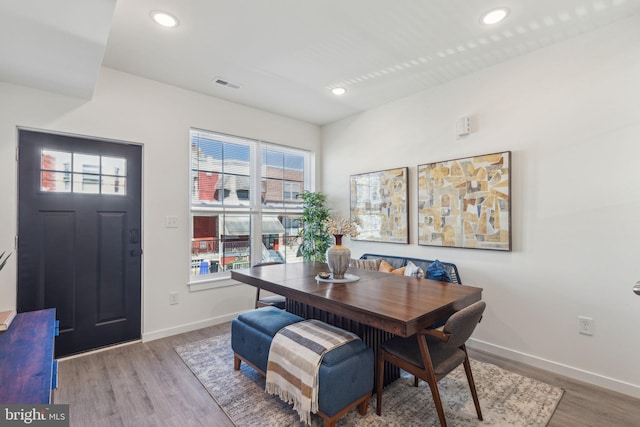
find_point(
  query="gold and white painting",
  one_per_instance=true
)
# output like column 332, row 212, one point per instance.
column 465, row 203
column 379, row 205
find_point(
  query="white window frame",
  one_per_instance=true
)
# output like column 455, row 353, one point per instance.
column 254, row 209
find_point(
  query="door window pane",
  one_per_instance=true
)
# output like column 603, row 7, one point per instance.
column 114, row 171
column 86, row 163
column 82, row 173
column 86, row 183
column 114, row 185
column 114, row 166
column 54, row 174
column 55, row 160
column 55, row 181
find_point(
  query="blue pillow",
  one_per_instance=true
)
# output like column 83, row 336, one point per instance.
column 437, row 271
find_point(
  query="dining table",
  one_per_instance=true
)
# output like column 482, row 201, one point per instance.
column 374, row 305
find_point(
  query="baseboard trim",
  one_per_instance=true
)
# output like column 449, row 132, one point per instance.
column 557, row 368
column 187, row 327
column 98, row 350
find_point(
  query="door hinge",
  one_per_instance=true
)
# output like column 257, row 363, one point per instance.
column 17, row 153
column 15, row 243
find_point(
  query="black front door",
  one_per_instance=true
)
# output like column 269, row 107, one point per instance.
column 79, row 237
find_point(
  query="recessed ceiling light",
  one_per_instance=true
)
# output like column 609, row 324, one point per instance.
column 494, row 16
column 338, row 91
column 165, row 19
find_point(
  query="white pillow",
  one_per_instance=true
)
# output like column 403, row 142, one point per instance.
column 413, row 270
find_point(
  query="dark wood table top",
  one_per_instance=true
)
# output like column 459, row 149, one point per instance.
column 398, row 304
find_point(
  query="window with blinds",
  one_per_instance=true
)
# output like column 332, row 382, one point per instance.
column 245, row 207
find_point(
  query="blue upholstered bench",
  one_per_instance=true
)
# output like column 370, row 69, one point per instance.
column 346, row 372
column 252, row 332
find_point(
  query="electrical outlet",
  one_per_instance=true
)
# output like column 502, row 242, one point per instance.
column 585, row 325
column 173, row 298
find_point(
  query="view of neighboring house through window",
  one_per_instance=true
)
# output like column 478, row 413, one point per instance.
column 66, row 172
column 244, row 202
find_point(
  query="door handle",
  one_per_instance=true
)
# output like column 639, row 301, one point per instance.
column 136, row 252
column 636, row 288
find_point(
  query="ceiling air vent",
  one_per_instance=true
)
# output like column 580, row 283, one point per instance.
column 227, row 83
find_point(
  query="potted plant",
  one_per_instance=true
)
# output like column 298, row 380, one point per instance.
column 315, row 237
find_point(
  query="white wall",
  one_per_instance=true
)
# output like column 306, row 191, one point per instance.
column 128, row 108
column 570, row 114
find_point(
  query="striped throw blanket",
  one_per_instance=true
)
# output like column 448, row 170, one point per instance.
column 294, row 362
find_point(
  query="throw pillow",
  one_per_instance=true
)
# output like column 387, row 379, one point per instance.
column 385, row 267
column 437, row 271
column 366, row 264
column 413, row 270
column 398, row 271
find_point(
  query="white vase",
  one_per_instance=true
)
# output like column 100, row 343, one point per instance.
column 338, row 258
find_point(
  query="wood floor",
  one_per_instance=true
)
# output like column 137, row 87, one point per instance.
column 147, row 384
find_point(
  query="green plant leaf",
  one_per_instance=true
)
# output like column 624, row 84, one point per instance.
column 315, row 238
column 3, row 262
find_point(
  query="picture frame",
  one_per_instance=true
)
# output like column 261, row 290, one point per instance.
column 379, row 205
column 466, row 202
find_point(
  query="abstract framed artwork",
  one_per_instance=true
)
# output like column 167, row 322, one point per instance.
column 379, row 205
column 466, row 203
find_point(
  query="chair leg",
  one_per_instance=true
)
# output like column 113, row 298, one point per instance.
column 433, row 385
column 415, row 380
column 257, row 297
column 472, row 384
column 379, row 380
column 431, row 379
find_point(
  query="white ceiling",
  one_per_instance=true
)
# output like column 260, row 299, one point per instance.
column 54, row 45
column 285, row 55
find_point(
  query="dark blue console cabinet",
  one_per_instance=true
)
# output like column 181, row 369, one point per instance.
column 28, row 372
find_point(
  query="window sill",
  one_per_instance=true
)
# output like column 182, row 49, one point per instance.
column 221, row 281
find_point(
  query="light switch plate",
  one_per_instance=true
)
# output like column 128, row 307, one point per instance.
column 171, row 221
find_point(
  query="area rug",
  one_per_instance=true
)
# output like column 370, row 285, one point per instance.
column 506, row 399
